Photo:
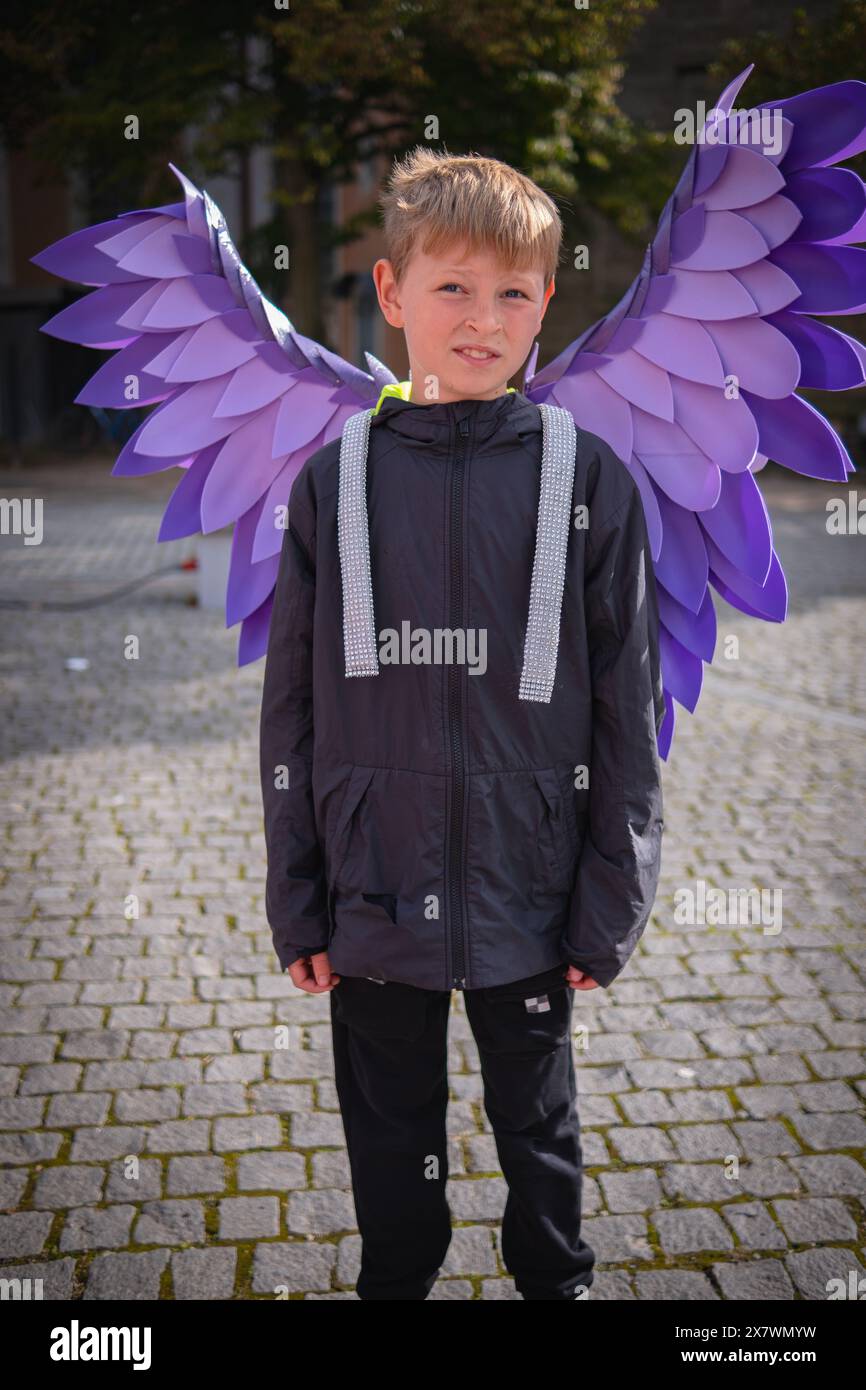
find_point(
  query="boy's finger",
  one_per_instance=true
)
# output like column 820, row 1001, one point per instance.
column 321, row 970
column 579, row 979
column 313, row 973
column 304, row 975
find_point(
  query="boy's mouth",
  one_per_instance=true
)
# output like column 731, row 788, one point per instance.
column 479, row 356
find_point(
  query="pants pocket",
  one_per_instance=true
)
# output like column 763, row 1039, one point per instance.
column 529, row 987
column 526, row 1016
column 391, row 1010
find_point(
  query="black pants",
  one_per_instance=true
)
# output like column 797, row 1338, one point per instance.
column 390, row 1055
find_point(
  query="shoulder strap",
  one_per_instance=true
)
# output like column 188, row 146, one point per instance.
column 559, row 441
column 353, row 533
column 551, row 544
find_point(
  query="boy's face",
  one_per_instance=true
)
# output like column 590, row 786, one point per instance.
column 456, row 300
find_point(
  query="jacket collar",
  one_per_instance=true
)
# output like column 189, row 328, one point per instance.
column 402, row 390
column 507, row 419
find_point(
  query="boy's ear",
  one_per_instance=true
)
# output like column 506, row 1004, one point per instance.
column 386, row 290
column 548, row 295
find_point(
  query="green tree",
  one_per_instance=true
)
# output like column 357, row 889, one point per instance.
column 816, row 49
column 326, row 85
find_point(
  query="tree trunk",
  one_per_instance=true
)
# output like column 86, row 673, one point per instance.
column 303, row 299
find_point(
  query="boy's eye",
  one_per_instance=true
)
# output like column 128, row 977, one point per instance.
column 452, row 285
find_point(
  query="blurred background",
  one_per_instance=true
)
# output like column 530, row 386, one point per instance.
column 291, row 118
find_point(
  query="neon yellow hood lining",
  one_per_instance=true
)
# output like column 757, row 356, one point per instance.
column 403, row 390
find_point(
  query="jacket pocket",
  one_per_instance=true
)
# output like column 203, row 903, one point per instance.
column 556, row 828
column 520, row 856
column 357, row 784
column 389, row 835
column 385, row 876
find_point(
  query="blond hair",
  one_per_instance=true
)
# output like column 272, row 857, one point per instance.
column 435, row 199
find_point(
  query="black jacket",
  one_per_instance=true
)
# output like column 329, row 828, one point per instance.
column 424, row 824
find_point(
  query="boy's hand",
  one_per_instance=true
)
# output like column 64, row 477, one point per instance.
column 578, row 979
column 313, row 973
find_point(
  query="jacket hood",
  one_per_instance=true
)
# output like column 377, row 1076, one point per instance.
column 504, row 422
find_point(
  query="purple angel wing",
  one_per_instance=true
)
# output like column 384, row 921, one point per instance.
column 241, row 398
column 692, row 378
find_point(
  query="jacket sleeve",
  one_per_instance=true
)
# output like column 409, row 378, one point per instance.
column 295, row 891
column 618, row 869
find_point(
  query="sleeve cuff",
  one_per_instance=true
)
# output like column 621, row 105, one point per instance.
column 287, row 954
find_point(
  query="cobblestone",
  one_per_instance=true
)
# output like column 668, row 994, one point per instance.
column 162, row 1084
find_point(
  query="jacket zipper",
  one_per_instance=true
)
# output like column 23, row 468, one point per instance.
column 455, row 719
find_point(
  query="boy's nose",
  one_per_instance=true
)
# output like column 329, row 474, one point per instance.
column 487, row 327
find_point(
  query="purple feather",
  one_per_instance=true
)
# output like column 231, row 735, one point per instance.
column 669, row 456
column 792, row 432
column 269, row 536
column 640, row 382
column 256, row 383
column 683, row 347
column 829, row 124
column 652, row 512
column 829, row 359
column 302, row 414
column 777, row 219
column 179, row 304
column 704, row 240
column 769, row 288
column 682, row 563
column 683, row 672
column 76, row 257
column 183, row 514
column 132, row 464
column 762, row 360
column 832, row 279
column 187, row 422
column 701, row 294
column 722, row 427
column 244, row 469
column 739, row 525
column 166, row 254
column 695, row 631
column 95, row 319
column 598, row 408
column 214, row 348
column 109, row 387
column 248, row 584
column 768, row 600
column 832, row 202
column 253, row 639
column 746, row 179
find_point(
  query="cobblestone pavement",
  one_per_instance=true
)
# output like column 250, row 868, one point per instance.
column 154, row 1140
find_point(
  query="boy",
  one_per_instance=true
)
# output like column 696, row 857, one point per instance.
column 481, row 808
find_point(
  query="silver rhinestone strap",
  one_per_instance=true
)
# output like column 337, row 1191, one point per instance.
column 353, row 535
column 559, row 440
